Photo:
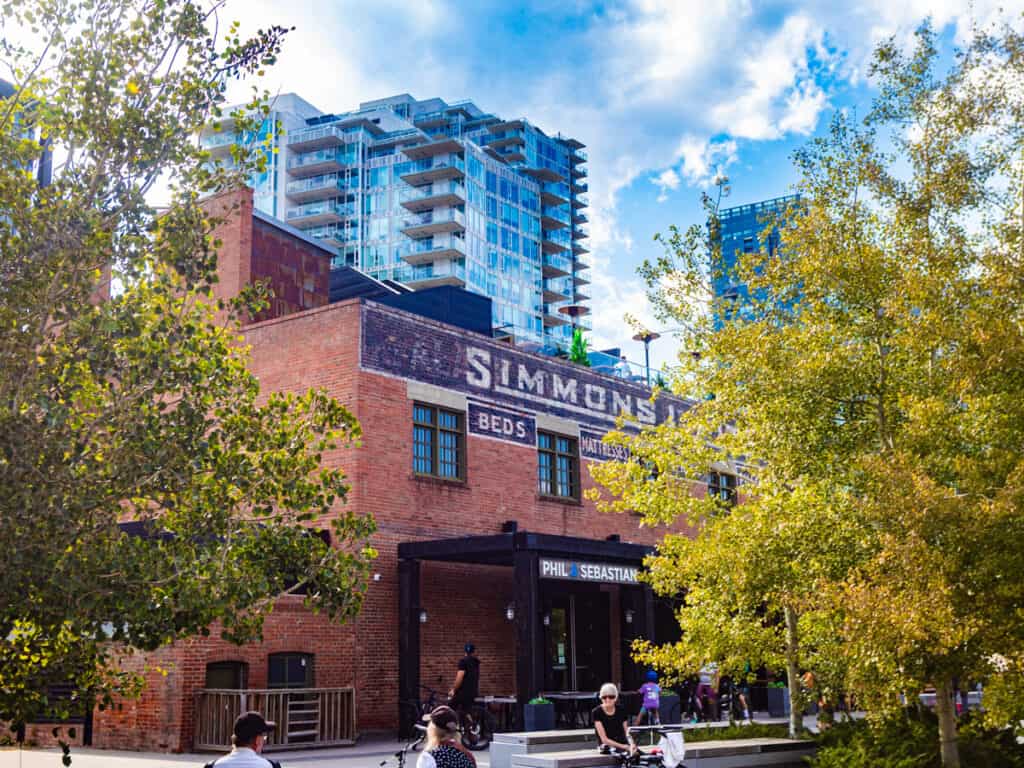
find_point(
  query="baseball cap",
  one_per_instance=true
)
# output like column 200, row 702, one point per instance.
column 469, row 647
column 249, row 725
column 443, row 717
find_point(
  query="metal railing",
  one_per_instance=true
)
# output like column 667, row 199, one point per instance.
column 305, row 717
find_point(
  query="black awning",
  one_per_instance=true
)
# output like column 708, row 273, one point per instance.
column 500, row 548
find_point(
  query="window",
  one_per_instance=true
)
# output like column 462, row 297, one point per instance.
column 290, row 670
column 438, row 442
column 227, row 675
column 558, row 466
column 722, row 486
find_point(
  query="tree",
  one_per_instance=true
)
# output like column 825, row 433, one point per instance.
column 872, row 389
column 147, row 488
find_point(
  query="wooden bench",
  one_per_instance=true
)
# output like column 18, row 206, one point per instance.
column 730, row 753
column 505, row 745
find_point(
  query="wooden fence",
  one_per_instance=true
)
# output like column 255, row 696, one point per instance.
column 305, row 717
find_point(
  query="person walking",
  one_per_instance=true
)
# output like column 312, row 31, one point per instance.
column 249, row 734
column 443, row 749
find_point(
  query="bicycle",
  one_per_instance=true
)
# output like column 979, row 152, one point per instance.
column 419, row 737
column 668, row 754
column 476, row 726
column 411, row 712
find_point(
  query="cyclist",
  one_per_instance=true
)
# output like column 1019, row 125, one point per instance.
column 611, row 723
column 467, row 681
column 650, row 693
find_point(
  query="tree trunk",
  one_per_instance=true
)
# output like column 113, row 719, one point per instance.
column 796, row 717
column 948, row 747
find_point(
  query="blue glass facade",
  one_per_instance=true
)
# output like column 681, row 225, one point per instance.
column 741, row 230
column 430, row 193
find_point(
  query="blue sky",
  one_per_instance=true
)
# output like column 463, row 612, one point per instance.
column 665, row 94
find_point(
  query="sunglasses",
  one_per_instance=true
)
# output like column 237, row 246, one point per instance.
column 607, row 697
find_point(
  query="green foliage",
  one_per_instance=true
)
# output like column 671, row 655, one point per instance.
column 539, row 700
column 736, row 731
column 141, row 406
column 871, row 398
column 578, row 349
column 910, row 740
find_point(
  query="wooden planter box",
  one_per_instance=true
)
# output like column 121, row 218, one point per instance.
column 539, row 717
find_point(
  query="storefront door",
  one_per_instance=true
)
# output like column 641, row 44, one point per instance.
column 577, row 647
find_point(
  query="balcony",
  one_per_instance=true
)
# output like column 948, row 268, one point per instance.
column 434, row 223
column 551, row 320
column 305, row 717
column 578, row 155
column 582, row 218
column 438, row 195
column 579, row 187
column 579, row 265
column 579, row 280
column 219, row 144
column 426, row 120
column 553, row 297
column 433, row 275
column 555, row 265
column 435, row 169
column 324, row 212
column 579, row 233
column 316, row 188
column 554, row 194
column 579, row 171
column 507, row 138
column 580, row 201
column 333, row 234
column 316, row 163
column 579, row 247
column 544, row 173
column 320, row 137
column 553, row 217
column 445, row 146
column 512, row 154
column 503, row 126
column 427, row 251
column 581, row 296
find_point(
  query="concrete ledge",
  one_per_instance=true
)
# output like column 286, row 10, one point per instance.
column 505, row 746
column 731, row 753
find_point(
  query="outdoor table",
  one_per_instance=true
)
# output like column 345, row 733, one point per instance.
column 505, row 707
column 574, row 707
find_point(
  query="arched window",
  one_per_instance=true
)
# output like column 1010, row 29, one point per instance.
column 290, row 670
column 227, row 675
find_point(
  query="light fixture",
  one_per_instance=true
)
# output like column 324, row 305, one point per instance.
column 423, row 617
column 376, row 577
column 547, row 619
column 629, row 615
column 510, row 611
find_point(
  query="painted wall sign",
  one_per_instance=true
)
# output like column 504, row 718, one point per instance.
column 501, row 424
column 402, row 345
column 573, row 570
column 592, row 448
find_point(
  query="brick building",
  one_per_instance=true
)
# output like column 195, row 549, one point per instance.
column 474, row 462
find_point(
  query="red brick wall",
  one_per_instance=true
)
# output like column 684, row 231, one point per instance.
column 298, row 272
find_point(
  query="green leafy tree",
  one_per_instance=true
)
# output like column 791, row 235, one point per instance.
column 139, row 406
column 872, row 389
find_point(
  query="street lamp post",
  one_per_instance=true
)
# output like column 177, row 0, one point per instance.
column 647, row 337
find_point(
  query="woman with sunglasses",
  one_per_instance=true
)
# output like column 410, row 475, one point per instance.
column 611, row 721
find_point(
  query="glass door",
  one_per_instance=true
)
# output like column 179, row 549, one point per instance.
column 558, row 657
column 592, row 646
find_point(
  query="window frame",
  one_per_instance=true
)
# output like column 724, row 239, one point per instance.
column 436, row 430
column 728, row 493
column 574, row 466
column 285, row 656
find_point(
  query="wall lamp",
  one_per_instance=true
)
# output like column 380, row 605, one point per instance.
column 510, row 611
column 629, row 615
column 423, row 617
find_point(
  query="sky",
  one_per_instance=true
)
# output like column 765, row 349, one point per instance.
column 666, row 95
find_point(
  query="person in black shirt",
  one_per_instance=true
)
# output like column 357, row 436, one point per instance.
column 467, row 680
column 611, row 721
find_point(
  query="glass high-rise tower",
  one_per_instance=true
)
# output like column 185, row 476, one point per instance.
column 434, row 193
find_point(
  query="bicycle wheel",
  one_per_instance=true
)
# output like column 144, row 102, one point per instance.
column 476, row 729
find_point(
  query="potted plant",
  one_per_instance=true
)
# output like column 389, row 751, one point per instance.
column 539, row 715
column 668, row 709
column 778, row 699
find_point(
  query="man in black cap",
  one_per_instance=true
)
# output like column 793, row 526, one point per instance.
column 467, row 681
column 249, row 736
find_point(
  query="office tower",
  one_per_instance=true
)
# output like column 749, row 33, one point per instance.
column 434, row 193
column 42, row 168
column 740, row 231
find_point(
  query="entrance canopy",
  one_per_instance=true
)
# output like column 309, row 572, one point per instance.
column 534, row 557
